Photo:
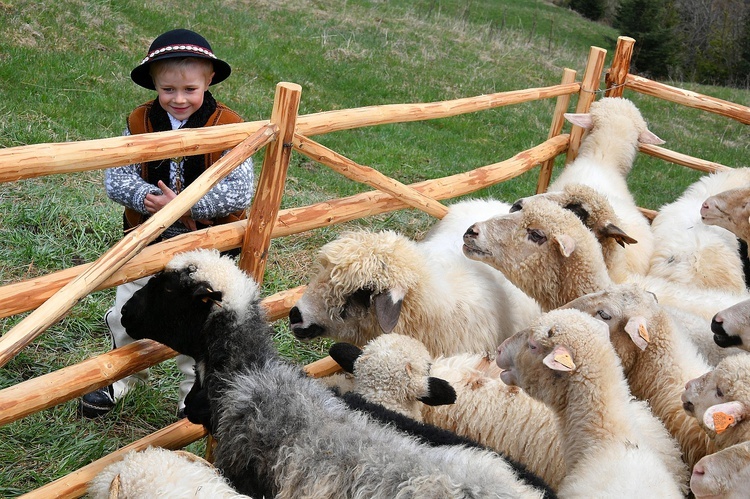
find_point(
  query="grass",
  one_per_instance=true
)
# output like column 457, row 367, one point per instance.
column 64, row 76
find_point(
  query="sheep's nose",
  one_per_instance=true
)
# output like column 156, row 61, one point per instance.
column 471, row 233
column 295, row 316
column 517, row 206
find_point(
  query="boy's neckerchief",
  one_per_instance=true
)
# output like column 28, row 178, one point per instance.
column 192, row 166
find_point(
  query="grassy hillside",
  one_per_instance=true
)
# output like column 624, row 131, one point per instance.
column 64, row 76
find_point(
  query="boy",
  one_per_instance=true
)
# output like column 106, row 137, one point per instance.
column 180, row 66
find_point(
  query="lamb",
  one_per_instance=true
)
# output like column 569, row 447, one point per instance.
column 596, row 213
column 371, row 283
column 487, row 411
column 655, row 357
column 731, row 326
column 156, row 473
column 723, row 475
column 694, row 253
column 566, row 360
column 614, row 127
column 280, row 433
column 720, row 401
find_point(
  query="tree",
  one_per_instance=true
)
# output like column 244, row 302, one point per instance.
column 590, row 9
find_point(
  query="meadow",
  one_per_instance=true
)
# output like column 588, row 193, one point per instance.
column 64, row 76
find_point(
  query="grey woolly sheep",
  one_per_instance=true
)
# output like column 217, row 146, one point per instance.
column 372, row 283
column 280, row 433
column 566, row 360
column 155, row 473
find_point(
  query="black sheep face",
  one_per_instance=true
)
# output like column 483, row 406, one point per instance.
column 171, row 309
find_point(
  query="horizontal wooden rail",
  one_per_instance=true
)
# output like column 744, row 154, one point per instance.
column 29, row 294
column 681, row 159
column 687, row 98
column 36, row 160
column 174, row 436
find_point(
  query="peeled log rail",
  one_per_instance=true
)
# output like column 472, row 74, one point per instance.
column 681, row 159
column 61, row 302
column 36, row 160
column 27, row 295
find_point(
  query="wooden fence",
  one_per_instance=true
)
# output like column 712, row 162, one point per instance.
column 51, row 296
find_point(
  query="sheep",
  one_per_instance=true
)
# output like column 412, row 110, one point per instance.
column 720, row 401
column 486, row 410
column 280, row 433
column 550, row 255
column 157, row 473
column 566, row 360
column 596, row 213
column 614, row 127
column 369, row 283
column 731, row 326
column 693, row 253
column 390, row 379
column 656, row 358
column 723, row 475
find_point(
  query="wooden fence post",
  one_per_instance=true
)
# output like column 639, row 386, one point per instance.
column 267, row 201
column 558, row 119
column 589, row 86
column 614, row 79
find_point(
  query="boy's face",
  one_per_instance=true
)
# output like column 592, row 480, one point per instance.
column 180, row 88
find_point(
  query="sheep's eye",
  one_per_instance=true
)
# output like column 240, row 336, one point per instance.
column 192, row 268
column 536, row 236
column 719, row 393
column 604, row 315
column 532, row 346
column 551, row 332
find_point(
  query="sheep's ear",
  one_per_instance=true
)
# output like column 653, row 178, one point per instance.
column 345, row 354
column 619, row 235
column 582, row 120
column 440, row 392
column 388, row 308
column 637, row 329
column 649, row 137
column 206, row 294
column 560, row 359
column 720, row 417
column 566, row 244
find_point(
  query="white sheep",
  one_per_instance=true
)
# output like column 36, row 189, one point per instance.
column 549, row 254
column 369, row 283
column 731, row 326
column 723, row 475
column 155, row 473
column 656, row 358
column 720, row 401
column 614, row 127
column 280, row 433
column 394, row 370
column 693, row 253
column 566, row 360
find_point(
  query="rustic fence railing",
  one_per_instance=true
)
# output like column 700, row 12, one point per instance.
column 51, row 296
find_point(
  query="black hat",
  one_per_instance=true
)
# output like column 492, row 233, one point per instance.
column 178, row 43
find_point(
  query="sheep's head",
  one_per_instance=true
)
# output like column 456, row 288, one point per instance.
column 615, row 115
column 174, row 305
column 394, row 371
column 543, row 249
column 730, row 210
column 724, row 474
column 357, row 294
column 558, row 347
column 628, row 311
column 720, row 400
column 731, row 326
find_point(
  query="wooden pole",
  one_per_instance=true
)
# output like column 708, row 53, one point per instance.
column 368, row 176
column 265, row 208
column 558, row 119
column 682, row 159
column 589, row 86
column 614, row 79
column 61, row 302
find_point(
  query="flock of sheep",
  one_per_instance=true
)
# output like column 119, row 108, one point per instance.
column 560, row 346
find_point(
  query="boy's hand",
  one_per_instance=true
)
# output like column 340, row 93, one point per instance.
column 155, row 202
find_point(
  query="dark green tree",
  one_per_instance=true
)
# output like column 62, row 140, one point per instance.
column 590, row 9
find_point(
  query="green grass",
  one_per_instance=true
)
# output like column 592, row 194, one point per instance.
column 64, row 76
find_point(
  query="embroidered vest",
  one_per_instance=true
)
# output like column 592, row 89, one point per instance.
column 139, row 122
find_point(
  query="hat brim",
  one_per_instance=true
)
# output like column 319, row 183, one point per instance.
column 142, row 77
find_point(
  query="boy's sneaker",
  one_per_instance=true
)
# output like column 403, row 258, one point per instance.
column 97, row 403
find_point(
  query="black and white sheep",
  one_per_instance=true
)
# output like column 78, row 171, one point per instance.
column 731, row 326
column 280, row 433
